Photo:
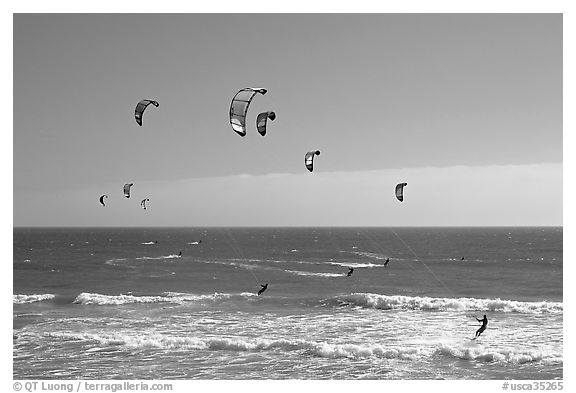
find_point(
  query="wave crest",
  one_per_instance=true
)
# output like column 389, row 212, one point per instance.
column 397, row 302
column 22, row 299
column 502, row 356
column 167, row 297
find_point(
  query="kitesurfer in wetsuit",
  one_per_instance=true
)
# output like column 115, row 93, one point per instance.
column 180, row 253
column 351, row 269
column 264, row 287
column 482, row 328
column 386, row 263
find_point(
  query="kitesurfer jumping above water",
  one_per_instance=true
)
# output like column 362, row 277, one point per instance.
column 264, row 287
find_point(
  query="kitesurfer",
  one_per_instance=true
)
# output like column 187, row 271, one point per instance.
column 350, row 271
column 264, row 287
column 386, row 263
column 482, row 328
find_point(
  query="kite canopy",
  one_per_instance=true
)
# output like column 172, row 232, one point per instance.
column 239, row 108
column 400, row 191
column 309, row 159
column 262, row 120
column 127, row 189
column 102, row 199
column 142, row 105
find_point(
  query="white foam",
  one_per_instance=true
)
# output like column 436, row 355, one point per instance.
column 355, row 264
column 22, row 299
column 316, row 274
column 27, row 315
column 98, row 299
column 499, row 355
column 385, row 302
column 171, row 256
column 162, row 341
column 167, row 297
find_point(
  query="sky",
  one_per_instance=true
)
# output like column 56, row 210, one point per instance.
column 465, row 108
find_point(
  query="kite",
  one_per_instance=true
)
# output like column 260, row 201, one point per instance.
column 239, row 108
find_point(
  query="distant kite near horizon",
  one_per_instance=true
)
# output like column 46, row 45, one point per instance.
column 102, row 199
column 262, row 121
column 127, row 189
column 309, row 159
column 143, row 203
column 142, row 105
column 239, row 108
column 400, row 191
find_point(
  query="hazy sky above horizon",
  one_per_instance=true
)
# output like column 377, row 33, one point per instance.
column 465, row 108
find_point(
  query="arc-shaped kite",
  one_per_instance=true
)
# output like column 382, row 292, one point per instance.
column 309, row 159
column 127, row 189
column 102, row 199
column 400, row 191
column 262, row 120
column 142, row 105
column 239, row 108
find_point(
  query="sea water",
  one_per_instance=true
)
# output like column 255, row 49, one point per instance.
column 122, row 303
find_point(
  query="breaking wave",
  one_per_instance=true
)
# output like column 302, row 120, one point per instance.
column 22, row 299
column 309, row 348
column 167, row 297
column 501, row 356
column 397, row 302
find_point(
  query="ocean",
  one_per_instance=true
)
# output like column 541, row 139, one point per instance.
column 182, row 303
